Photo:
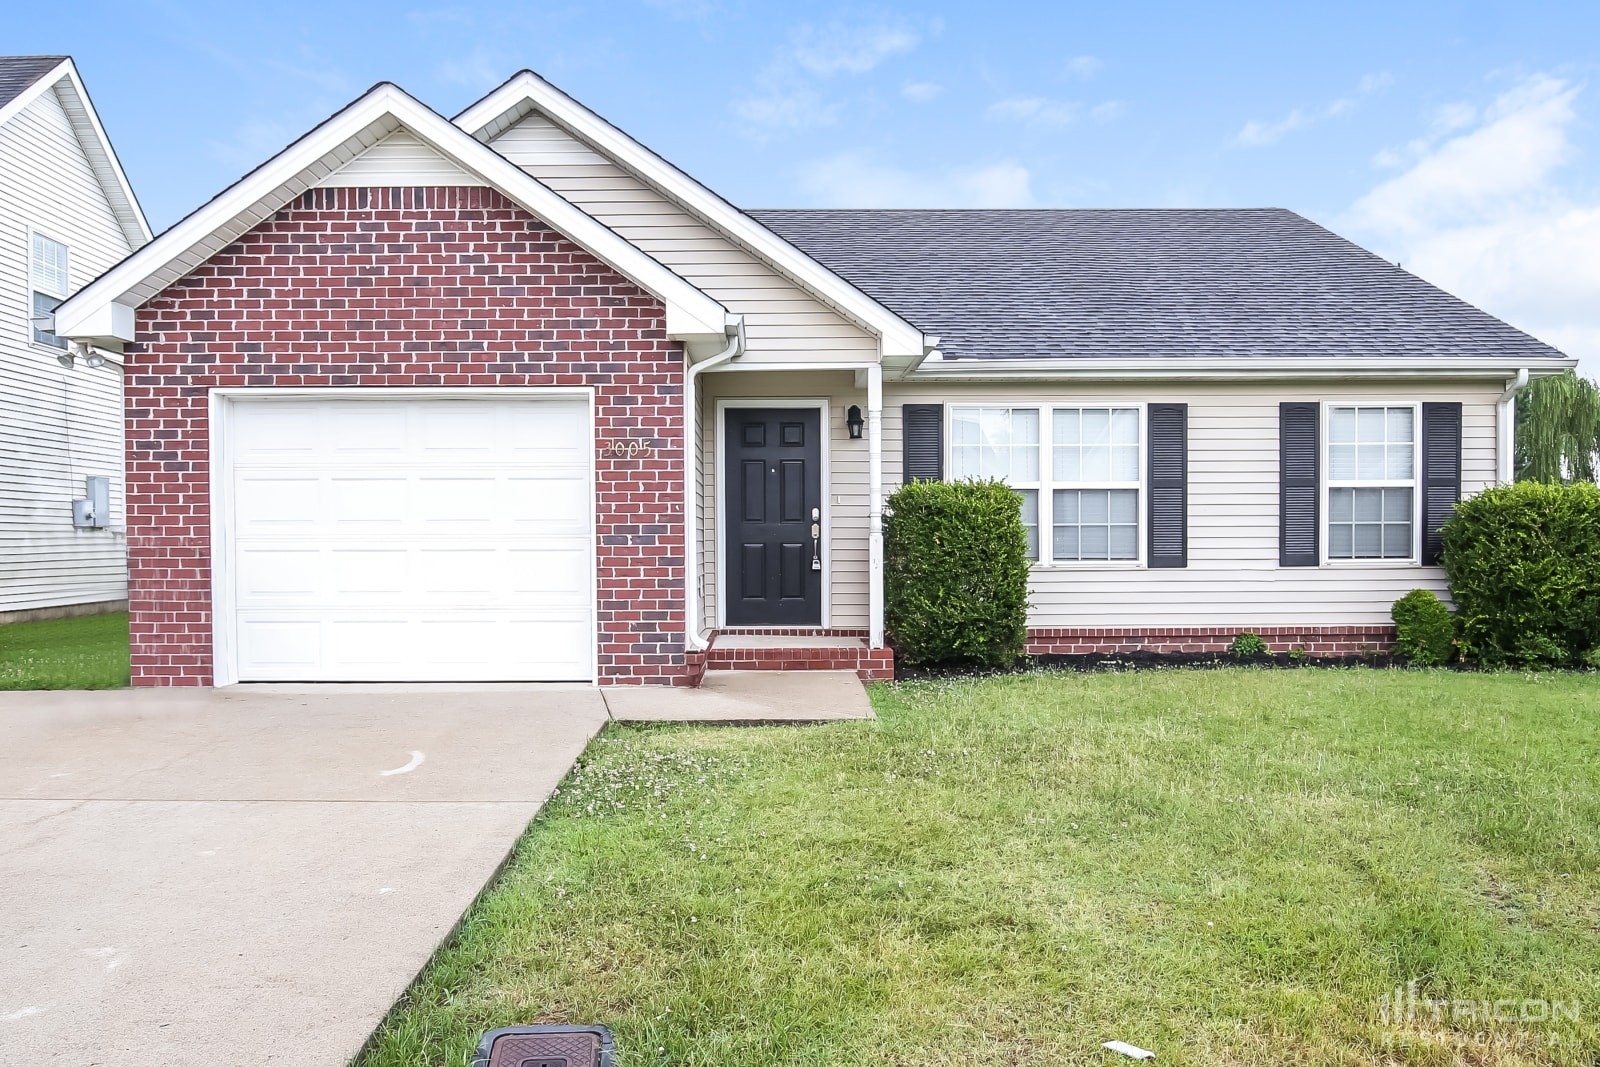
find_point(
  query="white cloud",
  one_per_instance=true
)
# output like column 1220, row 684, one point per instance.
column 921, row 92
column 1482, row 212
column 1036, row 111
column 1084, row 68
column 852, row 179
column 787, row 94
column 1258, row 133
column 844, row 48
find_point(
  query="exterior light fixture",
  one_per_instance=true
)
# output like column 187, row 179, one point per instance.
column 65, row 359
column 94, row 360
column 852, row 422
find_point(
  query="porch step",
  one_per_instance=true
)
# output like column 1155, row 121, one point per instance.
column 803, row 652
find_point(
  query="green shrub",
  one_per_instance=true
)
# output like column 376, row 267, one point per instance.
column 1425, row 633
column 1524, row 567
column 955, row 574
column 1248, row 644
column 1591, row 659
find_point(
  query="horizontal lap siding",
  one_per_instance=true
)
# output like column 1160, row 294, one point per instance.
column 783, row 323
column 1232, row 577
column 56, row 426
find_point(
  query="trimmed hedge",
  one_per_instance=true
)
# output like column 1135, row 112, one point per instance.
column 955, row 574
column 1524, row 567
column 1424, row 632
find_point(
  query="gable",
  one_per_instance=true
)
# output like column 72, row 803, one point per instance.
column 401, row 158
column 783, row 322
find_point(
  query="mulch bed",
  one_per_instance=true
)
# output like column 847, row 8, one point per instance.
column 1147, row 661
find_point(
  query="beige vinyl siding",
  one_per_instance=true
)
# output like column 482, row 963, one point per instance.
column 846, row 491
column 783, row 323
column 399, row 159
column 56, row 426
column 1233, row 577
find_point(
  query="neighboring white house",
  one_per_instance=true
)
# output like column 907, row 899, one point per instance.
column 67, row 214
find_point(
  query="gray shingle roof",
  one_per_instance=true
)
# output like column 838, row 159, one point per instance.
column 19, row 72
column 1032, row 284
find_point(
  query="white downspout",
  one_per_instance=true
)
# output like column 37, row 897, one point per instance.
column 692, row 641
column 1506, row 426
column 875, row 503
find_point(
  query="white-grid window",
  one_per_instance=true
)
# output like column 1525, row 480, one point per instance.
column 1372, row 482
column 49, row 282
column 1095, row 480
column 1003, row 443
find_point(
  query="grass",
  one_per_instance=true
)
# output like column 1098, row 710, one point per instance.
column 89, row 652
column 1228, row 867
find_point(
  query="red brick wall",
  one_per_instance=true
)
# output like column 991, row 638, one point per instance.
column 404, row 287
column 1314, row 640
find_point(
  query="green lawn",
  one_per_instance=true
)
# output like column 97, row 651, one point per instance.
column 1229, row 867
column 90, row 652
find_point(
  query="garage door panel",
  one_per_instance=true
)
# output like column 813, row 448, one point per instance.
column 412, row 540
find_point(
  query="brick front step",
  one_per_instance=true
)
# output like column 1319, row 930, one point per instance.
column 799, row 651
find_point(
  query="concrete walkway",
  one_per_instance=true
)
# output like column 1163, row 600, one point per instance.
column 747, row 698
column 251, row 875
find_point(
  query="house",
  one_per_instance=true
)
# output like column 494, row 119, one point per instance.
column 67, row 214
column 510, row 396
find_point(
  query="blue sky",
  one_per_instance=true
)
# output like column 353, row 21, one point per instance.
column 1459, row 139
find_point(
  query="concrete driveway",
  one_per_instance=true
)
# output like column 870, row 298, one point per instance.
column 251, row 875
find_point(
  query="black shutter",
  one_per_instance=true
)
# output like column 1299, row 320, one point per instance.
column 1298, row 453
column 922, row 437
column 1441, row 473
column 1169, row 485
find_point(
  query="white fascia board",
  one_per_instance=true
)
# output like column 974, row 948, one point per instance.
column 897, row 337
column 118, row 186
column 1179, row 368
column 691, row 314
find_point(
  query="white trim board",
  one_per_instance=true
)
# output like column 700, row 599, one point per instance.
column 224, row 651
column 103, row 310
column 719, row 481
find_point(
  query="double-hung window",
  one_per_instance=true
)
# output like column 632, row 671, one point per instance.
column 1372, row 482
column 1095, row 480
column 48, row 281
column 1078, row 470
column 1003, row 443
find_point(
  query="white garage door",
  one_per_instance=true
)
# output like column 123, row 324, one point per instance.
column 409, row 540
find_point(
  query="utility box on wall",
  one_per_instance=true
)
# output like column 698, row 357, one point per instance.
column 93, row 512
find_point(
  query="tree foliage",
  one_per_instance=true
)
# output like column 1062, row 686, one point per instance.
column 1558, row 430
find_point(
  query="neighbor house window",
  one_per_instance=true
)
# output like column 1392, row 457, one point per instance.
column 1372, row 482
column 48, row 279
column 1095, row 480
column 1003, row 443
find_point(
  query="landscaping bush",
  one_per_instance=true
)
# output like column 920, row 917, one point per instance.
column 1249, row 644
column 955, row 574
column 1524, row 567
column 1424, row 631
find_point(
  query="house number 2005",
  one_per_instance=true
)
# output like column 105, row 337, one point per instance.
column 627, row 449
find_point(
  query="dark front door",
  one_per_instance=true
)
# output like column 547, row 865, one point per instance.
column 773, row 562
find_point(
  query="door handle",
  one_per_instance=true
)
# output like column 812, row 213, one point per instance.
column 816, row 539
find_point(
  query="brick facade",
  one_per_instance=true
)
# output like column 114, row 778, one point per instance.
column 1313, row 640
column 431, row 287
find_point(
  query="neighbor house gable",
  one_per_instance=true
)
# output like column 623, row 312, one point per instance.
column 103, row 311
column 688, row 226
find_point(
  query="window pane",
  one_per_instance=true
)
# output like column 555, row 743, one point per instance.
column 1024, row 425
column 1030, row 519
column 1400, row 424
column 1065, row 429
column 1369, row 462
column 1369, row 505
column 1066, row 503
column 1066, row 542
column 1342, row 424
column 1125, row 464
column 1400, row 462
column 1368, row 539
column 1096, row 426
column 1125, row 426
column 49, row 266
column 1025, row 462
column 1342, row 462
column 1068, row 465
column 1396, row 505
column 1124, row 542
column 1095, row 542
column 1341, row 503
column 1340, row 541
column 44, row 305
column 1370, row 424
column 964, row 427
column 1124, row 505
column 1096, row 463
column 1397, row 540
column 1094, row 505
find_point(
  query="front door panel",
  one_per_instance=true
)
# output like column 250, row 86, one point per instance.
column 774, row 502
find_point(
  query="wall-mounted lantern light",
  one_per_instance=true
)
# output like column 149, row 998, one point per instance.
column 852, row 422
